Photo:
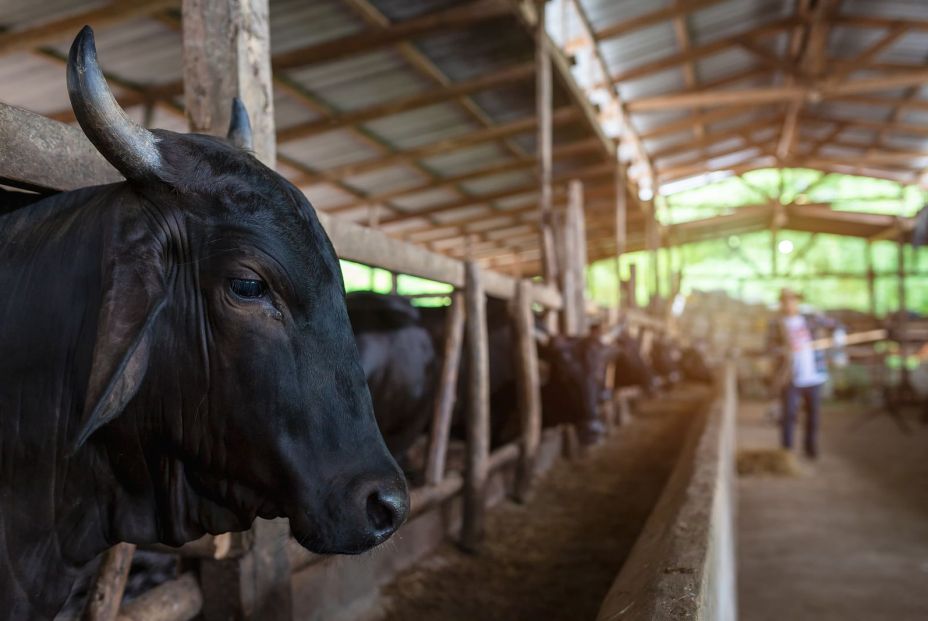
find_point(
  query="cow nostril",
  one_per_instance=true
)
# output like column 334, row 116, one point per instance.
column 385, row 512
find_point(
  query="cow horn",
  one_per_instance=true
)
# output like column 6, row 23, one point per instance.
column 240, row 127
column 127, row 146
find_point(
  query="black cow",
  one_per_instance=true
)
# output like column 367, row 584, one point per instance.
column 665, row 357
column 175, row 359
column 399, row 362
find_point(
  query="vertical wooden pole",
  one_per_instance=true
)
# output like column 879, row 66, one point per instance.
column 543, row 103
column 579, row 256
column 570, row 316
column 105, row 594
column 653, row 248
column 620, row 228
column 227, row 54
column 528, row 387
column 633, row 285
column 871, row 279
column 447, row 392
column 903, row 310
column 478, row 409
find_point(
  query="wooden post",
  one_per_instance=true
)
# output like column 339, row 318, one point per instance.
column 105, row 595
column 902, row 324
column 226, row 55
column 653, row 247
column 871, row 279
column 633, row 285
column 447, row 392
column 478, row 410
column 543, row 103
column 567, row 235
column 579, row 252
column 620, row 228
column 528, row 387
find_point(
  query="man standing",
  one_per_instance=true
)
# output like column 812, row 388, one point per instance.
column 799, row 370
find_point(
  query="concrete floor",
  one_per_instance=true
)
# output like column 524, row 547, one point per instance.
column 847, row 538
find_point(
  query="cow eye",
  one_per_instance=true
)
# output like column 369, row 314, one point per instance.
column 247, row 288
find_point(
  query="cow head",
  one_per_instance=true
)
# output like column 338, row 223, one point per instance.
column 223, row 351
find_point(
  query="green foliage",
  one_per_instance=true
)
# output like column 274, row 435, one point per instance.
column 829, row 269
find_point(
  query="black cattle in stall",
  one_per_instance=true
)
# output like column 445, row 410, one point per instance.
column 175, row 359
column 400, row 363
column 665, row 358
column 631, row 368
column 694, row 367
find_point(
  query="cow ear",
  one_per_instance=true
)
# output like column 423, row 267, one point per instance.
column 133, row 296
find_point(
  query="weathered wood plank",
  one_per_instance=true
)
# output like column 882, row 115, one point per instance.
column 478, row 411
column 37, row 153
column 227, row 53
column 177, row 600
column 529, row 388
column 106, row 593
column 447, row 392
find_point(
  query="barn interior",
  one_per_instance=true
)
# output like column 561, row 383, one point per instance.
column 650, row 173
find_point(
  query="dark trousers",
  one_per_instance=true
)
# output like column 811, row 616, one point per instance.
column 810, row 398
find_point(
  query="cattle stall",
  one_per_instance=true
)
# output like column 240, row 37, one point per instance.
column 568, row 184
column 499, row 146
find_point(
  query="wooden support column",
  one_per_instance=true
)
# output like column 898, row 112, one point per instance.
column 652, row 235
column 226, row 55
column 871, row 280
column 573, row 250
column 543, row 103
column 105, row 595
column 632, row 286
column 478, row 410
column 621, row 210
column 447, row 392
column 528, row 387
column 902, row 323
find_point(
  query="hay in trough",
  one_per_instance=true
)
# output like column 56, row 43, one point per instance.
column 555, row 557
column 767, row 462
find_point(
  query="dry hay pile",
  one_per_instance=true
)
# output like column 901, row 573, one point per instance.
column 555, row 557
column 770, row 462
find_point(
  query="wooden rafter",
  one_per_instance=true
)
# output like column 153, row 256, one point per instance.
column 674, row 11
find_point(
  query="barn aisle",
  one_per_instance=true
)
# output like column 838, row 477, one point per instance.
column 555, row 557
column 846, row 538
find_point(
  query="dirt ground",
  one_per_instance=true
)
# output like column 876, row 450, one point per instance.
column 846, row 538
column 556, row 556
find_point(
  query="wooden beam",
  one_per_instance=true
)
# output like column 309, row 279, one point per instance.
column 478, row 410
column 702, row 51
column 42, row 154
column 105, row 595
column 591, row 172
column 227, row 54
column 447, row 391
column 653, row 17
column 529, row 388
column 543, row 137
column 47, row 32
column 520, row 126
column 457, row 17
column 709, row 140
column 863, row 60
column 772, row 94
column 505, row 77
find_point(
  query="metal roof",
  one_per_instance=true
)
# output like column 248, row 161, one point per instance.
column 438, row 169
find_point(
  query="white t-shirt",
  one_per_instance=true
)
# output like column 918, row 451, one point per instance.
column 805, row 371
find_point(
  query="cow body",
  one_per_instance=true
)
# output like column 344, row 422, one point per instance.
column 175, row 359
column 400, row 364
